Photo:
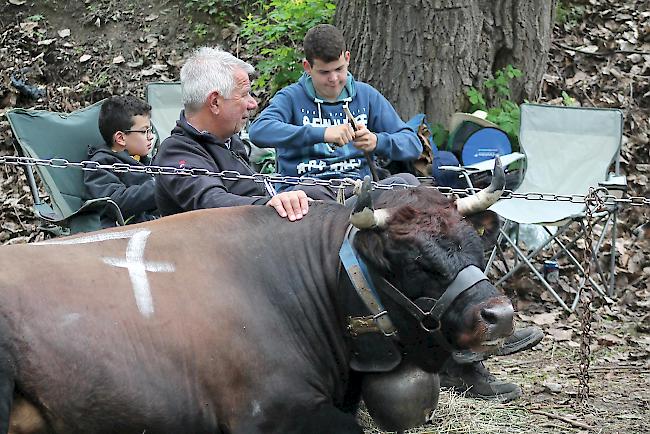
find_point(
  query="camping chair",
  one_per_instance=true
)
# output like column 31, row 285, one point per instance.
column 166, row 105
column 64, row 137
column 568, row 150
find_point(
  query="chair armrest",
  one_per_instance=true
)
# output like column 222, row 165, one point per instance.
column 506, row 160
column 459, row 169
column 484, row 166
column 615, row 184
column 107, row 202
column 45, row 212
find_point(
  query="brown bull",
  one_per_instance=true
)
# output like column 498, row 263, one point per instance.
column 229, row 320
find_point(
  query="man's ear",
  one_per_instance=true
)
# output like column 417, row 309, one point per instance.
column 306, row 66
column 212, row 101
column 487, row 226
column 346, row 56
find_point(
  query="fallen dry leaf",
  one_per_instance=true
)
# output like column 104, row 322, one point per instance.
column 544, row 318
column 560, row 334
column 609, row 340
column 552, row 387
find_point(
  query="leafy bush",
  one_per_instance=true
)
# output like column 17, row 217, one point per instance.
column 274, row 37
column 221, row 10
column 506, row 112
column 567, row 14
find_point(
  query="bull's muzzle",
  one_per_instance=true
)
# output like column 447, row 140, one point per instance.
column 498, row 318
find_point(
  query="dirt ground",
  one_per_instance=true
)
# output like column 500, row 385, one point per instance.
column 81, row 52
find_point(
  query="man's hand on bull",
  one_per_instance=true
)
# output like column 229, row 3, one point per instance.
column 291, row 204
column 339, row 135
column 365, row 139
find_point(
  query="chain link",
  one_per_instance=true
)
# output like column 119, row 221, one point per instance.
column 603, row 196
column 595, row 203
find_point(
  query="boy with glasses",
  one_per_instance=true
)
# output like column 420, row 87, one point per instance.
column 125, row 125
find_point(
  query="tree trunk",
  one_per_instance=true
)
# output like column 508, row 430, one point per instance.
column 424, row 54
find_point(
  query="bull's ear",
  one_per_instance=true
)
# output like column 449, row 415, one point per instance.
column 487, row 225
column 371, row 246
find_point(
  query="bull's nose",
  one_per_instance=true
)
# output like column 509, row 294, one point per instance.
column 499, row 319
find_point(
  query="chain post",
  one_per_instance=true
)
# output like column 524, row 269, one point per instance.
column 595, row 201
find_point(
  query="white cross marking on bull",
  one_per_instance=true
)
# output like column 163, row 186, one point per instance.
column 134, row 263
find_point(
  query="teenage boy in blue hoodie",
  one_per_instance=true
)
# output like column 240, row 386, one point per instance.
column 307, row 124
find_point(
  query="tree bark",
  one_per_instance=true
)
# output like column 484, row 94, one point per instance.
column 424, row 54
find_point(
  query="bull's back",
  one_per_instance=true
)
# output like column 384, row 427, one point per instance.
column 168, row 309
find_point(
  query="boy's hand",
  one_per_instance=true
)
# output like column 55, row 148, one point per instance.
column 364, row 139
column 291, row 204
column 339, row 134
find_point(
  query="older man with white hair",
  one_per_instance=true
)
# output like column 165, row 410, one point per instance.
column 217, row 105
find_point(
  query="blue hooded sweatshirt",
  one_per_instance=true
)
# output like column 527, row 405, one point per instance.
column 294, row 123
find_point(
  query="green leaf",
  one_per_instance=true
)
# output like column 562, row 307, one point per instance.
column 276, row 33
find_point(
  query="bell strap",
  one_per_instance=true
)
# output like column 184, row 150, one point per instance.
column 363, row 285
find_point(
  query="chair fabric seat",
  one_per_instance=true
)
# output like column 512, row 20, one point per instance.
column 538, row 212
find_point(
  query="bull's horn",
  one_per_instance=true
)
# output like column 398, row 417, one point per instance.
column 486, row 197
column 364, row 215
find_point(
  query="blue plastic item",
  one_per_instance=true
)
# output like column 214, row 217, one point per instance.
column 443, row 178
column 485, row 144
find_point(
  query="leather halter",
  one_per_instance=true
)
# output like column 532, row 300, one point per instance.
column 361, row 277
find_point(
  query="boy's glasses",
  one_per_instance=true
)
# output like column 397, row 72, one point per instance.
column 147, row 132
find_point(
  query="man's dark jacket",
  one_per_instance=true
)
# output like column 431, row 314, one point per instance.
column 191, row 149
column 133, row 192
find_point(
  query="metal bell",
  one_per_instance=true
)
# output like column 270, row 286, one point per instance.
column 402, row 398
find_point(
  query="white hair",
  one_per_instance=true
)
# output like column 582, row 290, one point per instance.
column 208, row 70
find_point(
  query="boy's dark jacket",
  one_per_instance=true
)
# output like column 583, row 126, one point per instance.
column 133, row 192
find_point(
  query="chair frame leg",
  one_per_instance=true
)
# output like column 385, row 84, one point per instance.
column 575, row 262
column 612, row 259
column 530, row 256
column 523, row 257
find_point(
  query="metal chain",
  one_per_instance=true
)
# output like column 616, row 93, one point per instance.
column 595, row 200
column 233, row 175
column 595, row 203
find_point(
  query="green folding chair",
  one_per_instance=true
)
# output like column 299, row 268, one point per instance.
column 166, row 104
column 61, row 136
